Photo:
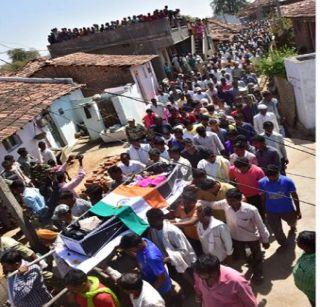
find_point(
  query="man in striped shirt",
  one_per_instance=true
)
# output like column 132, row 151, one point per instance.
column 26, row 288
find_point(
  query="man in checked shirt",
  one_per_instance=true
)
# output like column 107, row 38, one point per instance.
column 26, row 288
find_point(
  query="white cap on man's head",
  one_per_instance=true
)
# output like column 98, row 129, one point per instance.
column 130, row 119
column 262, row 107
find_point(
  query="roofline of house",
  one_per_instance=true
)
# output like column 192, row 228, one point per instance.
column 38, row 80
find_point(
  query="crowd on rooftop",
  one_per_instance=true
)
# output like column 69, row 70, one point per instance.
column 212, row 119
column 174, row 16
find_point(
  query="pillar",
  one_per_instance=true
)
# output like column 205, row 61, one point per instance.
column 193, row 45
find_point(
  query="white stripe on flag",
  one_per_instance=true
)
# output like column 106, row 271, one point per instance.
column 138, row 204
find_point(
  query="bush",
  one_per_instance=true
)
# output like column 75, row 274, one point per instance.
column 273, row 63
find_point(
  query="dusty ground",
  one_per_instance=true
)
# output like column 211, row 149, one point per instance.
column 278, row 290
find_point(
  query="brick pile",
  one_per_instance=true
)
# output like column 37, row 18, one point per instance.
column 100, row 175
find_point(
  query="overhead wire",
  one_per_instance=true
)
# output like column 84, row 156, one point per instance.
column 222, row 179
column 145, row 101
column 174, row 162
column 81, row 125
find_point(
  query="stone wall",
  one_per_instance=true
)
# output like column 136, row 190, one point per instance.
column 301, row 75
column 140, row 38
column 287, row 106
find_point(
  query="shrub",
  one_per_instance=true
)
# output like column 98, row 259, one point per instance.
column 273, row 63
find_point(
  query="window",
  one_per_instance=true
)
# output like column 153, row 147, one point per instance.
column 145, row 72
column 11, row 142
column 87, row 112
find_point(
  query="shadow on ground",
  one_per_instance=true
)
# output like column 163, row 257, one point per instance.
column 278, row 266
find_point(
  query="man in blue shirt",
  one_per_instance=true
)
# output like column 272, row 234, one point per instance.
column 281, row 202
column 151, row 263
column 32, row 199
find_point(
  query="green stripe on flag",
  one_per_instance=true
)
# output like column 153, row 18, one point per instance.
column 124, row 213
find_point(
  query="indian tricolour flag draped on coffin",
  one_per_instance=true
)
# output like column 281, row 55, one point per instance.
column 130, row 204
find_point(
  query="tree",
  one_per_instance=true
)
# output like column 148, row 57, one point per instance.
column 19, row 57
column 19, row 54
column 227, row 6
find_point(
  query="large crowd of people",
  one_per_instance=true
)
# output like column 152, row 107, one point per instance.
column 174, row 16
column 212, row 120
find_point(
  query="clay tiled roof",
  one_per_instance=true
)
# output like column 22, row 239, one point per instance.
column 81, row 58
column 31, row 67
column 222, row 31
column 21, row 101
column 306, row 8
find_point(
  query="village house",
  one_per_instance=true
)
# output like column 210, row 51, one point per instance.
column 129, row 79
column 260, row 9
column 98, row 72
column 37, row 109
column 303, row 17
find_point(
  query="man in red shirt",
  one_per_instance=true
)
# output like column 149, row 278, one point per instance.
column 247, row 178
column 87, row 291
column 149, row 118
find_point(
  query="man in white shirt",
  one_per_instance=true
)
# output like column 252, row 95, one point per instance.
column 216, row 73
column 46, row 154
column 228, row 69
column 275, row 140
column 157, row 108
column 215, row 166
column 141, row 293
column 176, row 64
column 163, row 98
column 246, row 228
column 271, row 103
column 12, row 171
column 130, row 167
column 172, row 242
column 262, row 117
column 198, row 95
column 183, row 164
column 211, row 91
column 139, row 152
column 78, row 205
column 214, row 235
column 209, row 140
